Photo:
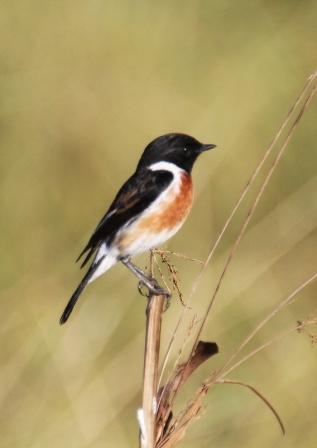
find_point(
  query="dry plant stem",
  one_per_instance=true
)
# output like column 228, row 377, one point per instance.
column 154, row 312
column 253, row 177
column 192, row 325
column 173, row 277
column 255, row 351
column 261, row 396
column 220, row 376
column 151, row 361
column 270, row 316
column 223, row 373
column 160, row 271
column 178, row 255
column 193, row 409
column 249, row 215
column 252, row 210
column 236, row 207
column 176, row 363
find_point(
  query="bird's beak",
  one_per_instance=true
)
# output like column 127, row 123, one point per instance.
column 206, row 147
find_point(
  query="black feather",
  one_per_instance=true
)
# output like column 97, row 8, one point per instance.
column 82, row 252
column 88, row 256
column 133, row 198
column 73, row 300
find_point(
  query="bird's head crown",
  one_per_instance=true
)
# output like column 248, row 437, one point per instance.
column 179, row 149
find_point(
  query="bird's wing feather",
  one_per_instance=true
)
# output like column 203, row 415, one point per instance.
column 132, row 199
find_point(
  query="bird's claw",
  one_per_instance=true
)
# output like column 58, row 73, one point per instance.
column 143, row 292
column 153, row 288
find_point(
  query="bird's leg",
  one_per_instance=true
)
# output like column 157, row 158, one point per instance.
column 149, row 282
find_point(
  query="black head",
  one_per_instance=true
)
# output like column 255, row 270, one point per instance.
column 180, row 149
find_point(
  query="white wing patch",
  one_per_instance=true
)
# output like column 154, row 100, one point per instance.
column 107, row 263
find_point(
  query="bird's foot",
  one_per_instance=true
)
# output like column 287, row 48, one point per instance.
column 145, row 280
column 152, row 288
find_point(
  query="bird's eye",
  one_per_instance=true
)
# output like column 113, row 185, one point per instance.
column 185, row 149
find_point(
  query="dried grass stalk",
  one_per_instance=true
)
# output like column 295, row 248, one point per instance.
column 308, row 89
column 261, row 396
column 150, row 375
column 160, row 428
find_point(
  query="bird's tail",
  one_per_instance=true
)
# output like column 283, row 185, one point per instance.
column 73, row 300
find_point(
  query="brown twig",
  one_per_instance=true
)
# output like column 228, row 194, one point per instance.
column 277, row 338
column 178, row 255
column 192, row 325
column 166, row 421
column 173, row 277
column 147, row 415
column 252, row 210
column 250, row 182
column 283, row 304
column 220, row 376
column 180, row 422
column 261, row 396
column 159, row 427
column 160, row 271
column 151, row 362
column 193, row 409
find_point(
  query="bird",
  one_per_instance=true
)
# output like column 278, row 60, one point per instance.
column 150, row 207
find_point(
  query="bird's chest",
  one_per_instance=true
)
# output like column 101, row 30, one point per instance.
column 161, row 220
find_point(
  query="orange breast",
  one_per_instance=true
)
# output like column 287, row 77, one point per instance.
column 171, row 213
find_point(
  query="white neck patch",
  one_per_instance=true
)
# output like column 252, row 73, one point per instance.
column 166, row 166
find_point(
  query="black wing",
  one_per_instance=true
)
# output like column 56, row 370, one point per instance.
column 132, row 199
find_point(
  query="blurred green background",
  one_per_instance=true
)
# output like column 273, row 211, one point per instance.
column 84, row 87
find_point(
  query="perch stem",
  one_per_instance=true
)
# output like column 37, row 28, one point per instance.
column 151, row 362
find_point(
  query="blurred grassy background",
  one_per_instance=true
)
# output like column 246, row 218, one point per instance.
column 84, row 87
